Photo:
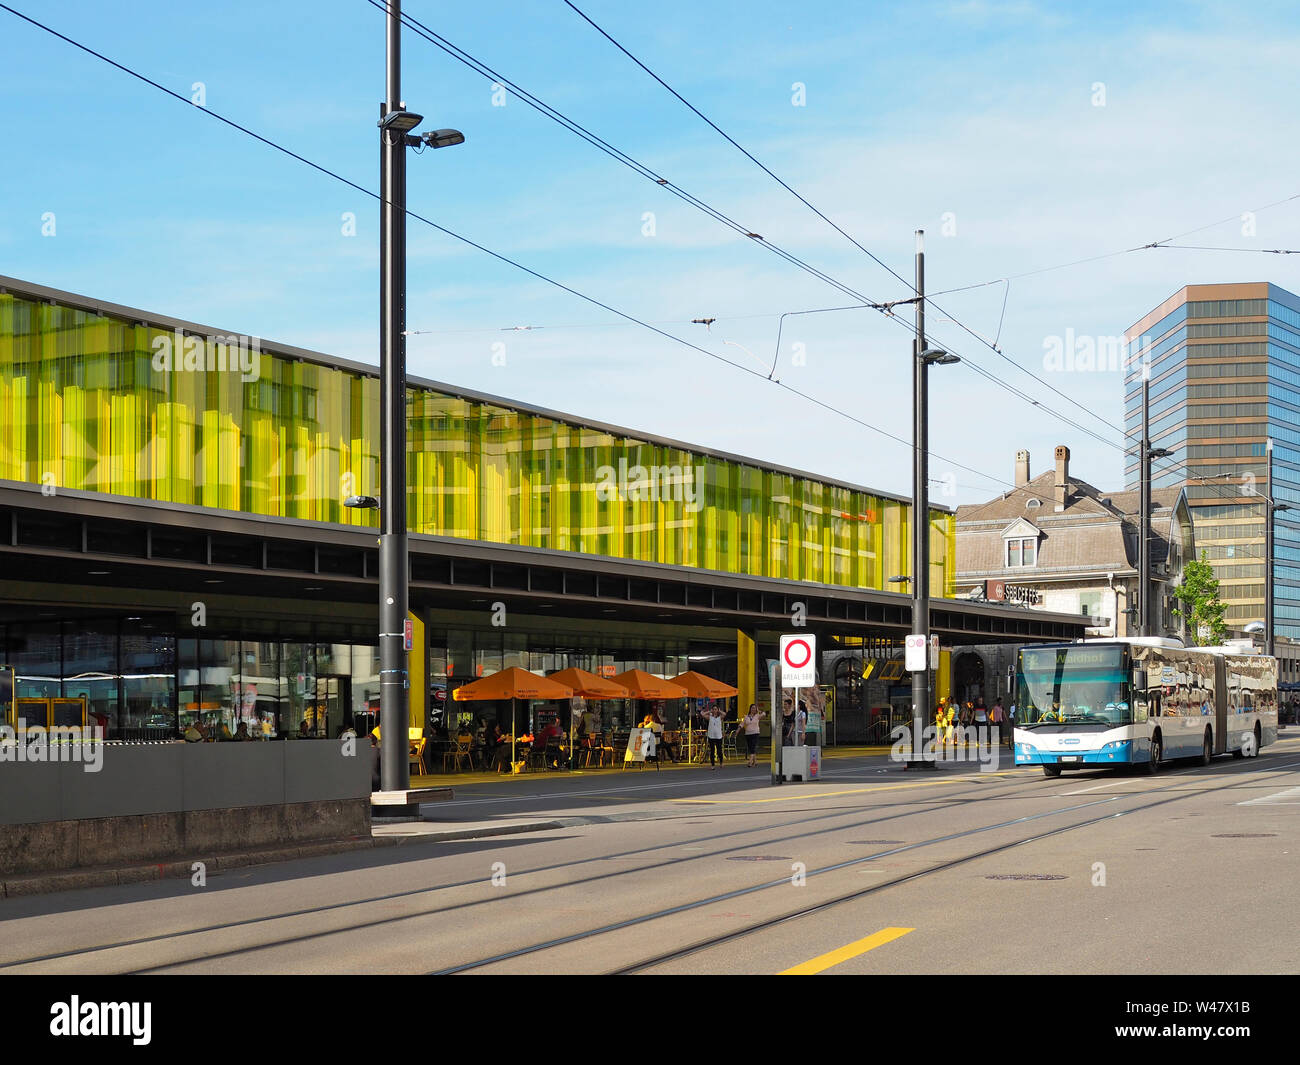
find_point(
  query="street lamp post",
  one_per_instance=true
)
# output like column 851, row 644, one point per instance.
column 1144, row 507
column 395, row 125
column 922, row 357
column 1271, row 507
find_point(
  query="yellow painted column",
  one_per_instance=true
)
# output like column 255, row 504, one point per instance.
column 744, row 673
column 943, row 682
column 417, row 669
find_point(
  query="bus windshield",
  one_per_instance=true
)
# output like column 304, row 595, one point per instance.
column 1073, row 685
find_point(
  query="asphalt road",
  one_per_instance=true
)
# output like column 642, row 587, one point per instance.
column 870, row 870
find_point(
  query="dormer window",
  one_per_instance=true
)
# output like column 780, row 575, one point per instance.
column 1022, row 551
column 1021, row 540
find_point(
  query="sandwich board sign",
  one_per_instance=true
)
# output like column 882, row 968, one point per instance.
column 799, row 661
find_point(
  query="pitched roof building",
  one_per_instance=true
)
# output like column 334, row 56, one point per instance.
column 1058, row 543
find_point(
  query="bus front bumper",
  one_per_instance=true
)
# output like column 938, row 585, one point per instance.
column 1112, row 754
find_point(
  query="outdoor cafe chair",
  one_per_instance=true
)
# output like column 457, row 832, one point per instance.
column 416, row 744
column 729, row 743
column 458, row 751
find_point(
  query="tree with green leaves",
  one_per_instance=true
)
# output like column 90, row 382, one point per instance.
column 1201, row 607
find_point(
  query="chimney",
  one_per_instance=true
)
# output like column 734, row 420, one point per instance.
column 1062, row 476
column 1022, row 468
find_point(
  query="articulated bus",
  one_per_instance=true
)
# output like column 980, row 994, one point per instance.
column 1140, row 702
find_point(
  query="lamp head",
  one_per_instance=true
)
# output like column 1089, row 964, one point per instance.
column 400, row 121
column 443, row 138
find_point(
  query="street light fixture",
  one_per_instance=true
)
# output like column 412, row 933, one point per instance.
column 442, row 138
column 362, row 502
column 938, row 357
column 395, row 125
column 400, row 120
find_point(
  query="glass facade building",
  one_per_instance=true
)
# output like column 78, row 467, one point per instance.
column 99, row 402
column 104, row 399
column 1224, row 364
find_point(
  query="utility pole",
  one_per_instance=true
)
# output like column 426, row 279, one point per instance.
column 1144, row 505
column 394, row 682
column 1144, row 518
column 920, row 510
column 922, row 358
column 1271, row 506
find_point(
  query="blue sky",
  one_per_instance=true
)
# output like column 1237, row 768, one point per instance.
column 980, row 113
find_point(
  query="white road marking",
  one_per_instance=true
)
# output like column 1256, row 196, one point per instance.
column 1276, row 799
column 1098, row 787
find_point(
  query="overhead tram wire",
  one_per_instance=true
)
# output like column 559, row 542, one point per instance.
column 479, row 247
column 496, row 255
column 847, row 236
column 598, row 142
column 595, row 140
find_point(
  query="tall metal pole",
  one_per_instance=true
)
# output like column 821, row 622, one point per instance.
column 1144, row 518
column 394, row 705
column 920, row 509
column 1268, row 548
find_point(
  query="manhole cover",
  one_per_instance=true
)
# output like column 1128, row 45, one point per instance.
column 758, row 858
column 1026, row 876
column 1244, row 835
column 873, row 842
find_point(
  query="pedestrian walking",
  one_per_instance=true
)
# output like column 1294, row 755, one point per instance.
column 999, row 718
column 981, row 722
column 714, row 735
column 964, row 719
column 750, row 724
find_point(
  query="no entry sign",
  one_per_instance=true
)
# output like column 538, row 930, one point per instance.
column 798, row 661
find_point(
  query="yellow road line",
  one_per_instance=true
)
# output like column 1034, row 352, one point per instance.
column 831, row 794
column 825, row 961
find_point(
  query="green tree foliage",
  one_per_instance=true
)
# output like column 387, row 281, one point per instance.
column 1199, row 594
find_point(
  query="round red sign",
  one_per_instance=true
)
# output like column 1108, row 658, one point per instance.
column 793, row 650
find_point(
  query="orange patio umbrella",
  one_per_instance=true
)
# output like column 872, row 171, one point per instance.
column 589, row 685
column 641, row 685
column 513, row 683
column 699, row 686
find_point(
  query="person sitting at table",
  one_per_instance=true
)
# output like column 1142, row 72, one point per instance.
column 553, row 734
column 658, row 724
column 492, row 744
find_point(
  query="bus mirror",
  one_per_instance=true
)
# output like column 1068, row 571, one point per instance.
column 1140, row 679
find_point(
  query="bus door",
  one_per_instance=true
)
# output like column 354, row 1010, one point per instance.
column 1224, row 694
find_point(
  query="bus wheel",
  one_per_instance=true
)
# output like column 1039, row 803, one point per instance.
column 1207, row 749
column 1153, row 766
column 1051, row 770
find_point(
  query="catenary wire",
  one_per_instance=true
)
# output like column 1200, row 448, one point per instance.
column 500, row 257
